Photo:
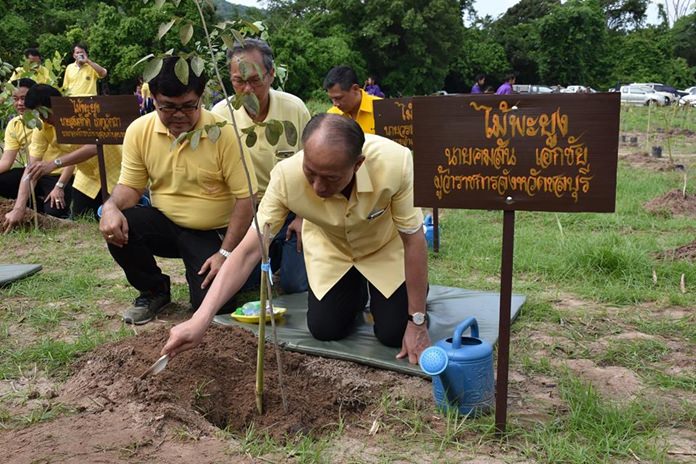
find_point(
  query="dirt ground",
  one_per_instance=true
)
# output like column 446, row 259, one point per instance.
column 44, row 221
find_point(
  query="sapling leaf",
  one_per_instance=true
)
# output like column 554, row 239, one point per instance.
column 145, row 58
column 251, row 103
column 228, row 41
column 214, row 133
column 152, row 68
column 290, row 132
column 185, row 33
column 273, row 131
column 251, row 139
column 181, row 69
column 196, row 138
column 197, row 65
column 164, row 28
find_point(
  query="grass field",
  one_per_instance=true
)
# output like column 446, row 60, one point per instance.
column 600, row 305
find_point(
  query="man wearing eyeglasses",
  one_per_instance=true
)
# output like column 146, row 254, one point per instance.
column 201, row 199
column 246, row 60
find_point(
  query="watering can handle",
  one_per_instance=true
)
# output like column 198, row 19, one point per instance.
column 457, row 337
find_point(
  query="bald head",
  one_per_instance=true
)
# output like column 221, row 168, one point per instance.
column 332, row 153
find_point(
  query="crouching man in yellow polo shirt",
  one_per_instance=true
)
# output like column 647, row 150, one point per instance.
column 201, row 201
column 360, row 231
column 349, row 99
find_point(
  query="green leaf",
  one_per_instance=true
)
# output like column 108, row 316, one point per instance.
column 197, row 65
column 249, row 130
column 236, row 101
column 181, row 69
column 159, row 3
column 152, row 69
column 143, row 59
column 245, row 69
column 178, row 140
column 237, row 36
column 214, row 133
column 251, row 139
column 273, row 131
column 290, row 132
column 228, row 41
column 176, row 2
column 185, row 33
column 251, row 103
column 164, row 28
column 196, row 138
column 210, row 4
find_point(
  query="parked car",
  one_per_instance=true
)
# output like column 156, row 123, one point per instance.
column 670, row 94
column 533, row 89
column 689, row 99
column 640, row 95
column 578, row 89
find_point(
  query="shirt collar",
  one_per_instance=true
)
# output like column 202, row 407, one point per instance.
column 365, row 102
column 160, row 128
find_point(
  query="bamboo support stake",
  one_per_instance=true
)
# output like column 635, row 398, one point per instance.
column 647, row 131
column 262, row 321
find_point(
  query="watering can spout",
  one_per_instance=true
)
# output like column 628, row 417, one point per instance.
column 433, row 360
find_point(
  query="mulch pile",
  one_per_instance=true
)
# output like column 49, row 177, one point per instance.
column 686, row 252
column 673, row 203
column 45, row 221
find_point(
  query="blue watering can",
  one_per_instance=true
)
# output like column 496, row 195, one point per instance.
column 462, row 371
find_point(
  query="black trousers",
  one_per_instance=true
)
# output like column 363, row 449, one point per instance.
column 9, row 185
column 9, row 182
column 150, row 234
column 334, row 316
column 83, row 205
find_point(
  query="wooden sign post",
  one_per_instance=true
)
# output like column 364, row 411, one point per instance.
column 99, row 120
column 394, row 120
column 515, row 152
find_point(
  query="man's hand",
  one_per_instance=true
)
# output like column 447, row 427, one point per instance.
column 183, row 337
column 39, row 169
column 114, row 226
column 416, row 339
column 56, row 198
column 212, row 266
column 13, row 218
column 295, row 226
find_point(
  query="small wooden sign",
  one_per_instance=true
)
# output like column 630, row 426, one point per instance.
column 517, row 152
column 100, row 120
column 394, row 120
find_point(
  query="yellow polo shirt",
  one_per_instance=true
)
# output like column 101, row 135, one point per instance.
column 16, row 134
column 281, row 107
column 362, row 231
column 38, row 74
column 45, row 147
column 366, row 113
column 87, row 178
column 197, row 188
column 80, row 81
column 145, row 91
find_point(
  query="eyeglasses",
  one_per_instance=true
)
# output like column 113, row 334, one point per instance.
column 186, row 109
column 256, row 81
column 18, row 99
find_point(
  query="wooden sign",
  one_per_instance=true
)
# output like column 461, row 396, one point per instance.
column 98, row 120
column 394, row 120
column 517, row 152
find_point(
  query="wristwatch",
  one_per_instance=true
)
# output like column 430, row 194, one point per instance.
column 58, row 162
column 60, row 185
column 224, row 253
column 418, row 318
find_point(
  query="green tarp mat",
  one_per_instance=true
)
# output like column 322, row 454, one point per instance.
column 11, row 272
column 446, row 308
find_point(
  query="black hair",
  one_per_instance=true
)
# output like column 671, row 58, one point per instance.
column 40, row 95
column 81, row 45
column 339, row 131
column 344, row 76
column 510, row 77
column 23, row 82
column 254, row 44
column 480, row 76
column 32, row 52
column 168, row 84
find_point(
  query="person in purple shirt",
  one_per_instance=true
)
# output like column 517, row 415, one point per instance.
column 478, row 86
column 372, row 88
column 506, row 87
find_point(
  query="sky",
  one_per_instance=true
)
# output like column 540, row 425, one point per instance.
column 483, row 7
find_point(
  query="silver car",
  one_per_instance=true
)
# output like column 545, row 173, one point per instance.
column 640, row 95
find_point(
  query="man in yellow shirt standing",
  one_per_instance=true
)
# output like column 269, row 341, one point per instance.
column 33, row 69
column 349, row 99
column 81, row 77
column 245, row 62
column 201, row 200
column 17, row 136
column 360, row 231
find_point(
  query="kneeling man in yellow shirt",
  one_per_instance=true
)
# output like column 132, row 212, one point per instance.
column 201, row 200
column 361, row 233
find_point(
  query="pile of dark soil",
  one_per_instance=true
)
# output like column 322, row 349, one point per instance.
column 642, row 159
column 45, row 221
column 673, row 203
column 213, row 385
column 686, row 252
